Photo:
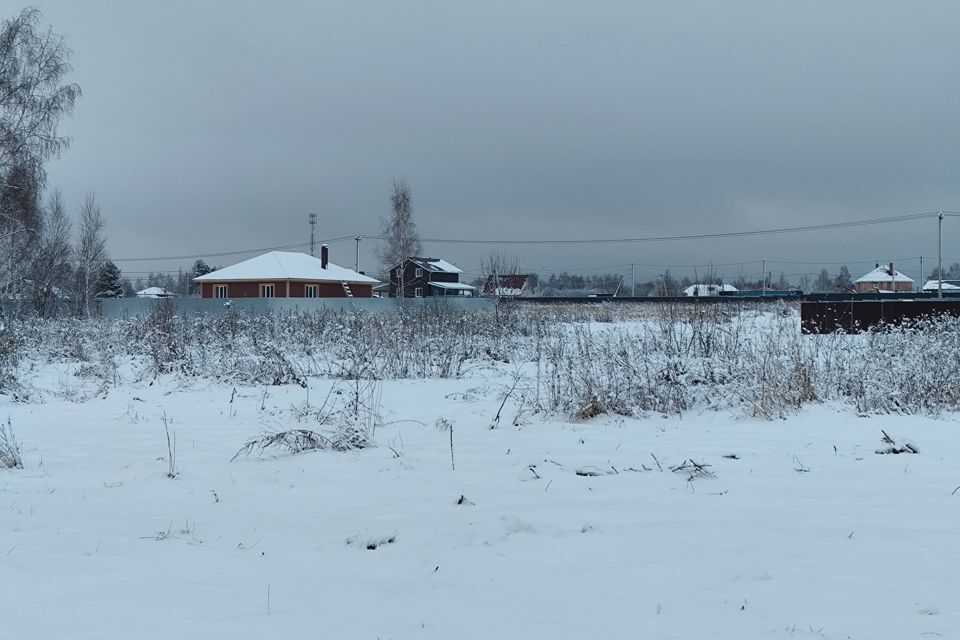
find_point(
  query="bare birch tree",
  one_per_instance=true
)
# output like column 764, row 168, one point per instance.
column 90, row 254
column 496, row 265
column 50, row 268
column 401, row 240
column 33, row 95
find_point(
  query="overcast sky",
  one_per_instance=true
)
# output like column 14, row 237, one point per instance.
column 217, row 126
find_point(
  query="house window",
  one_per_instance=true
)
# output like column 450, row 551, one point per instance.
column 397, row 273
column 418, row 293
column 220, row 291
column 310, row 291
column 266, row 291
column 419, row 273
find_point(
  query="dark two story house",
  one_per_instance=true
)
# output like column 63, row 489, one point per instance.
column 427, row 277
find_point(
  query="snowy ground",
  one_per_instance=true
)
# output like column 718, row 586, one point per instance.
column 806, row 533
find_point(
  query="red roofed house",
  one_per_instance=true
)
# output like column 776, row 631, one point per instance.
column 507, row 286
column 284, row 274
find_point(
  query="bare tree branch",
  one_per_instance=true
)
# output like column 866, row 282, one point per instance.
column 401, row 238
column 33, row 95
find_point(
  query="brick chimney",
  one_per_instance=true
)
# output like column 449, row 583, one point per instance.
column 324, row 253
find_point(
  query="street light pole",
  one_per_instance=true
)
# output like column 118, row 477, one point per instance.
column 940, row 255
column 357, row 263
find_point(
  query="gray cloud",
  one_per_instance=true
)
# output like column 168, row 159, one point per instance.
column 218, row 127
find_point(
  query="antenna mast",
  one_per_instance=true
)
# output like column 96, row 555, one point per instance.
column 313, row 225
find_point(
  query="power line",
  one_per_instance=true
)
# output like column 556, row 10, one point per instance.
column 696, row 236
column 228, row 253
column 543, row 241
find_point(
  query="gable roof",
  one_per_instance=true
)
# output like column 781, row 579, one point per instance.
column 437, row 264
column 880, row 274
column 285, row 265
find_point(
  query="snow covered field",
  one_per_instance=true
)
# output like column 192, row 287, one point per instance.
column 547, row 527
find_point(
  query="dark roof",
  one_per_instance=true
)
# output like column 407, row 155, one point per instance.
column 436, row 265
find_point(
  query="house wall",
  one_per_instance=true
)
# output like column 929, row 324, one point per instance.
column 252, row 289
column 362, row 290
column 865, row 287
column 244, row 289
column 411, row 282
column 234, row 289
column 443, row 276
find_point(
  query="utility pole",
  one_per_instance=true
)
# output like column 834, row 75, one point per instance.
column 921, row 273
column 313, row 225
column 633, row 282
column 940, row 255
column 764, row 276
column 356, row 266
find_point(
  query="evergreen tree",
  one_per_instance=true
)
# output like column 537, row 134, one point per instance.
column 844, row 281
column 109, row 283
column 199, row 268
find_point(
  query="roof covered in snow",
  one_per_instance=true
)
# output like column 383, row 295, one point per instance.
column 436, row 264
column 708, row 289
column 931, row 285
column 154, row 292
column 880, row 274
column 452, row 285
column 285, row 265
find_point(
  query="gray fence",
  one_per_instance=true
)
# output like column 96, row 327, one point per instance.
column 131, row 307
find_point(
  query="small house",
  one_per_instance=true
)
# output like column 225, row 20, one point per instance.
column 155, row 292
column 284, row 274
column 708, row 290
column 932, row 286
column 427, row 277
column 883, row 278
column 507, row 286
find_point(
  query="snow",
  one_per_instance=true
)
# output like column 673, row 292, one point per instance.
column 436, row 264
column 880, row 274
column 933, row 285
column 459, row 286
column 507, row 292
column 806, row 533
column 154, row 292
column 708, row 289
column 285, row 265
column 546, row 526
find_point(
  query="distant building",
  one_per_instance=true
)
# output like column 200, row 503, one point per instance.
column 931, row 286
column 507, row 286
column 708, row 290
column 155, row 292
column 283, row 274
column 883, row 278
column 428, row 277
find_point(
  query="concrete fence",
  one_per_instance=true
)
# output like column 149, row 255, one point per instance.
column 132, row 307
